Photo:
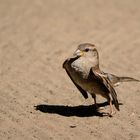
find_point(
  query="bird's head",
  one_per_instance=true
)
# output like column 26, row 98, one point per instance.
column 86, row 50
column 88, row 53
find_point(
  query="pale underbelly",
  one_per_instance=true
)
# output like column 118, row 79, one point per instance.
column 85, row 82
column 80, row 75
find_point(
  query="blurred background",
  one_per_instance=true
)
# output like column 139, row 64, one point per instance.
column 36, row 36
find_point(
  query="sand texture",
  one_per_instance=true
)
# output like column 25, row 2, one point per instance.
column 36, row 36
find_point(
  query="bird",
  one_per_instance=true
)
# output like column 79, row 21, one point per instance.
column 84, row 71
column 117, row 80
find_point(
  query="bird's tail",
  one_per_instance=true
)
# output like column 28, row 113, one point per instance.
column 115, row 80
column 127, row 79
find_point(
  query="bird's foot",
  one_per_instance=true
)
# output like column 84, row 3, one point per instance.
column 111, row 113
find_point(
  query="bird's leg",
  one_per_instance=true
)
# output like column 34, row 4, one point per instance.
column 112, row 112
column 94, row 97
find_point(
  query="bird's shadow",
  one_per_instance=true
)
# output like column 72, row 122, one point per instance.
column 79, row 111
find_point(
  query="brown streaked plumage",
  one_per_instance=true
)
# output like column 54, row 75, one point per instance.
column 116, row 80
column 83, row 69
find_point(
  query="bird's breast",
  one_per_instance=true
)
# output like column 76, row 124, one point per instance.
column 79, row 72
column 81, row 69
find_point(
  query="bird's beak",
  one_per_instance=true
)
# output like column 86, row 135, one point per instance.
column 79, row 53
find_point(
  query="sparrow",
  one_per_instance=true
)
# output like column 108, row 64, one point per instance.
column 84, row 71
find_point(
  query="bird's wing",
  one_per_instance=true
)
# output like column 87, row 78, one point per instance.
column 83, row 92
column 103, row 80
column 115, row 81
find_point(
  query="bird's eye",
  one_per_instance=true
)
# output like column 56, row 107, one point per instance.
column 86, row 50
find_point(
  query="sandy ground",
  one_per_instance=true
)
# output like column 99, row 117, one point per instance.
column 36, row 36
